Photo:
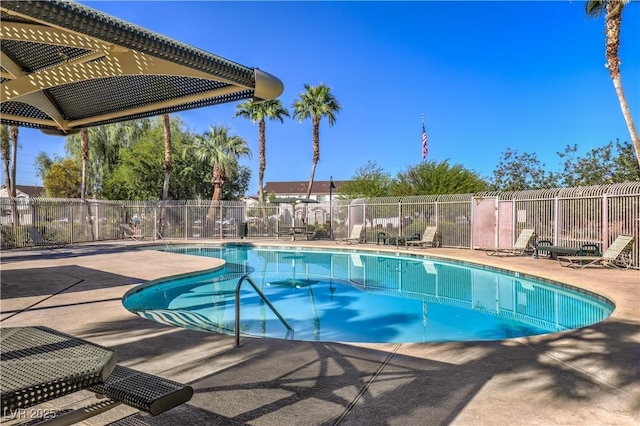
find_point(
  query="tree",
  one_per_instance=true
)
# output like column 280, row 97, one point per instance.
column 9, row 148
column 316, row 103
column 140, row 171
column 237, row 183
column 43, row 163
column 608, row 164
column 369, row 180
column 107, row 142
column 431, row 177
column 13, row 135
column 220, row 151
column 139, row 174
column 519, row 172
column 63, row 179
column 5, row 148
column 257, row 112
column 612, row 10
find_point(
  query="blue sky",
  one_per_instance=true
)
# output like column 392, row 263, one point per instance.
column 487, row 76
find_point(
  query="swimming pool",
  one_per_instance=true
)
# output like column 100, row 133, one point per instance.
column 359, row 296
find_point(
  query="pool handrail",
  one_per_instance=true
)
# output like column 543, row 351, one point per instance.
column 263, row 297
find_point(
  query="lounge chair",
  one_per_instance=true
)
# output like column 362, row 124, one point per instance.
column 428, row 238
column 617, row 256
column 39, row 241
column 522, row 245
column 354, row 237
column 129, row 232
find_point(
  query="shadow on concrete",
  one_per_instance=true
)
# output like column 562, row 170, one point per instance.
column 19, row 255
column 333, row 383
column 49, row 281
column 268, row 381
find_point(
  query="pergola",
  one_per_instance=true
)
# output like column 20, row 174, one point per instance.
column 65, row 66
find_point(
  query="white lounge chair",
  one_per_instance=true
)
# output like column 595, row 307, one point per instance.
column 616, row 256
column 428, row 238
column 522, row 245
column 354, row 237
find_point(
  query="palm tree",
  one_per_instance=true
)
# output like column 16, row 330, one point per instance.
column 167, row 169
column 5, row 148
column 221, row 152
column 13, row 134
column 6, row 152
column 9, row 147
column 316, row 103
column 612, row 10
column 84, row 150
column 257, row 112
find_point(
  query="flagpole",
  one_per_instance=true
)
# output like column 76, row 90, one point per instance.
column 425, row 150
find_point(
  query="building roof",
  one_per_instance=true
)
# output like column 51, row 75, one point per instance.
column 28, row 190
column 65, row 66
column 318, row 187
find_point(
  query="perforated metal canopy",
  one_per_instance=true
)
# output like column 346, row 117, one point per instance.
column 65, row 66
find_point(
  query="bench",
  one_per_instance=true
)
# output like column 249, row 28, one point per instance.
column 296, row 230
column 545, row 246
column 40, row 364
column 148, row 393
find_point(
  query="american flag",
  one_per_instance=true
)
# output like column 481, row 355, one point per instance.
column 425, row 149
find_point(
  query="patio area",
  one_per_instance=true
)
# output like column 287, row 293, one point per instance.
column 585, row 376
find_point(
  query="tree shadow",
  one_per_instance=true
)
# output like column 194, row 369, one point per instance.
column 47, row 281
column 330, row 383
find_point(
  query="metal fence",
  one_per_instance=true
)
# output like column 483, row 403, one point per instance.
column 564, row 216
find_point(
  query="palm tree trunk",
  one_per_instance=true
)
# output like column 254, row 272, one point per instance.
column 617, row 84
column 167, row 170
column 263, row 166
column 613, row 21
column 84, row 148
column 316, row 151
column 316, row 157
column 218, row 181
column 13, row 130
column 5, row 148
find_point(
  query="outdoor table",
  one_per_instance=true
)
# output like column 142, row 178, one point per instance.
column 586, row 249
column 294, row 230
column 394, row 239
column 40, row 364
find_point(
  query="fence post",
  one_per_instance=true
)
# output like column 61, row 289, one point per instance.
column 556, row 213
column 605, row 221
column 400, row 222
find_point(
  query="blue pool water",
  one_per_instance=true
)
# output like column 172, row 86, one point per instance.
column 351, row 296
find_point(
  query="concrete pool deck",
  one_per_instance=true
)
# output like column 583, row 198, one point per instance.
column 588, row 376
